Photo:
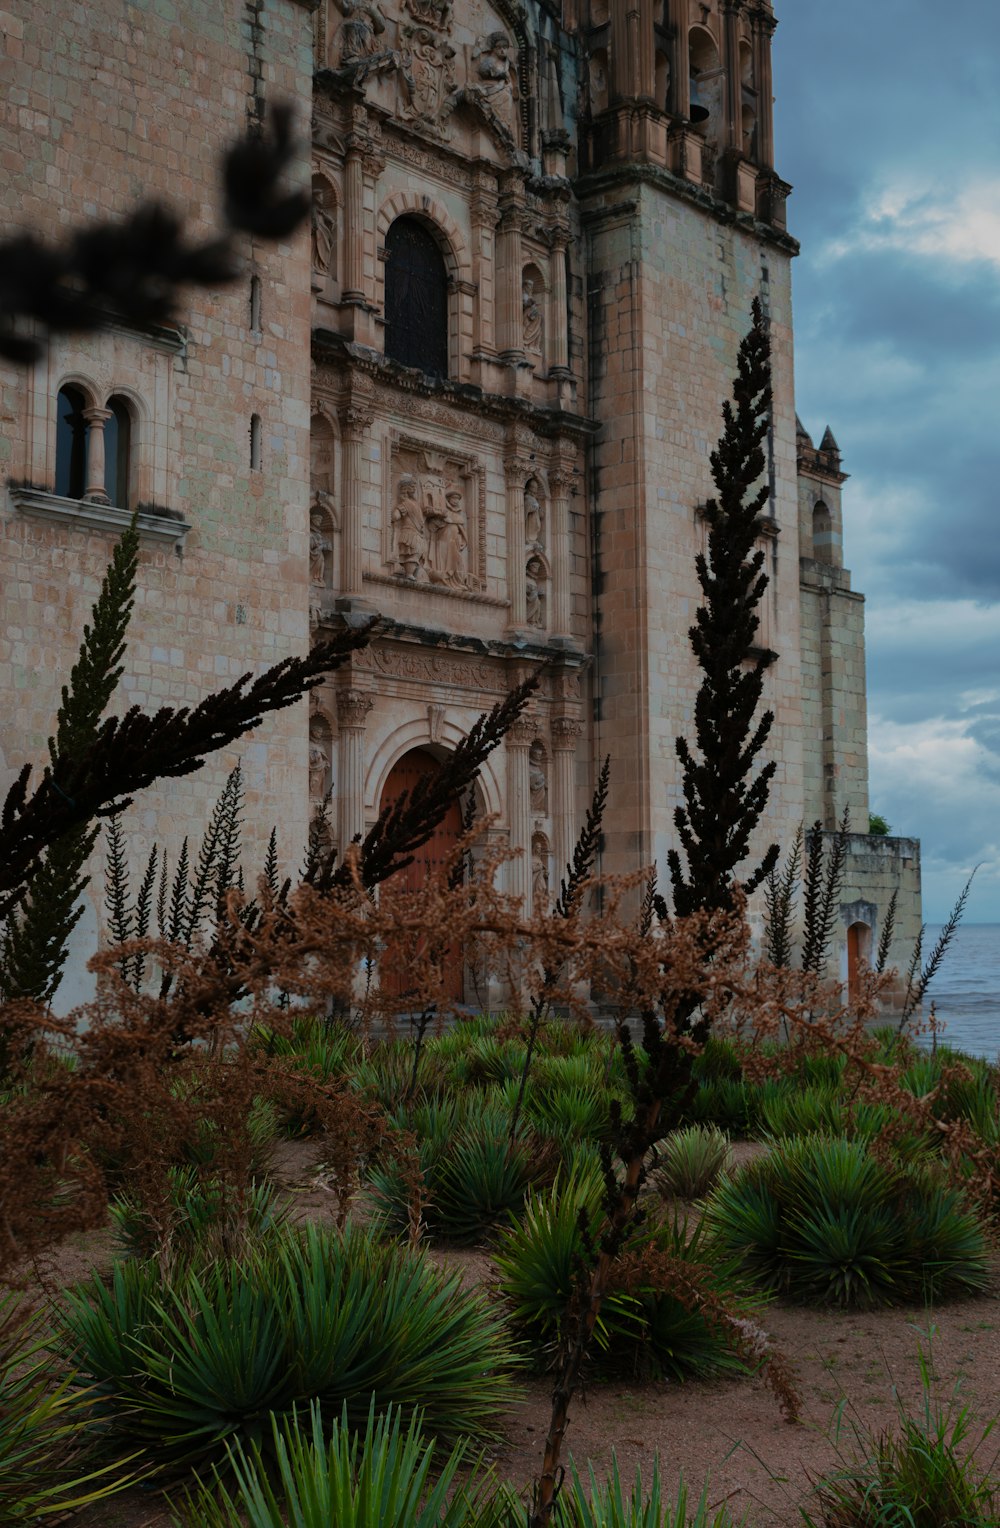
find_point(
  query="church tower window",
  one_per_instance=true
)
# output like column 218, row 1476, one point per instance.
column 118, row 453
column 416, row 298
column 72, row 431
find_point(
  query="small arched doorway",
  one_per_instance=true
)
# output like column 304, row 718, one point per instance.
column 427, row 861
column 859, row 943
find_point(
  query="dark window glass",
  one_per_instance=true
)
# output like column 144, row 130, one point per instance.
column 72, row 431
column 118, row 453
column 416, row 298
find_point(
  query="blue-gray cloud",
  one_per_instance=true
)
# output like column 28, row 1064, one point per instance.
column 897, row 308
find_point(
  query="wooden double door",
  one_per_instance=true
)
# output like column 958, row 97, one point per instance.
column 428, row 861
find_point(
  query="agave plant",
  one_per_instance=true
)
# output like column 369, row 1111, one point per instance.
column 608, row 1505
column 825, row 1222
column 208, row 1216
column 330, row 1473
column 473, row 1174
column 787, row 1110
column 44, row 1430
column 311, row 1315
column 691, row 1161
column 538, row 1258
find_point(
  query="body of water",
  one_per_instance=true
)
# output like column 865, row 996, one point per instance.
column 966, row 990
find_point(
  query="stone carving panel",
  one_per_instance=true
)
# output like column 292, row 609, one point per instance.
column 434, row 517
column 538, row 782
column 416, row 64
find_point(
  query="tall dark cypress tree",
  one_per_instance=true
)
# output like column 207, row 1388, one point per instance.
column 724, row 794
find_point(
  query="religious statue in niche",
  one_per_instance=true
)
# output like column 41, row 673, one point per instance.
column 534, row 592
column 319, row 760
column 497, row 92
column 324, row 229
column 362, row 47
column 532, row 315
column 539, row 872
column 320, row 561
column 532, row 516
column 537, row 782
column 409, row 536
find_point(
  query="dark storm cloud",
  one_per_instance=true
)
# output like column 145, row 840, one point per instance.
column 887, row 121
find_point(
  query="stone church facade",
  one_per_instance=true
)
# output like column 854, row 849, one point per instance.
column 476, row 398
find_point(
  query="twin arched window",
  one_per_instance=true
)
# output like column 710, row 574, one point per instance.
column 93, row 449
column 416, row 298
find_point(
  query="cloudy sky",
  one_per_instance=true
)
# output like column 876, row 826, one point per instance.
column 888, row 126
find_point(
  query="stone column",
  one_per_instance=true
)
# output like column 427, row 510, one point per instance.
column 95, row 490
column 353, row 707
column 518, row 743
column 355, row 423
column 734, row 86
column 560, row 614
column 483, row 211
column 763, row 30
column 354, row 225
column 558, row 326
column 517, row 473
column 509, row 289
column 566, row 733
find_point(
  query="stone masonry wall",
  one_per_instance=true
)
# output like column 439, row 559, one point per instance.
column 102, row 105
column 671, row 289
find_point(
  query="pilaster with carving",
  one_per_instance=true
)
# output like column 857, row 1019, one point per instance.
column 509, row 262
column 518, row 746
column 567, row 730
column 517, row 472
column 764, row 24
column 562, row 482
column 353, row 708
column 355, row 422
column 483, row 217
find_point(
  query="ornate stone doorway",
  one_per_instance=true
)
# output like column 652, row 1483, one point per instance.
column 403, row 777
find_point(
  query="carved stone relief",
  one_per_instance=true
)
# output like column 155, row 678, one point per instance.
column 434, row 517
column 539, row 871
column 537, row 779
column 420, row 74
column 531, row 306
column 534, row 592
column 320, row 757
column 324, row 228
column 533, row 520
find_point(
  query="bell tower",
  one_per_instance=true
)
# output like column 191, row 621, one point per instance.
column 687, row 86
column 684, row 223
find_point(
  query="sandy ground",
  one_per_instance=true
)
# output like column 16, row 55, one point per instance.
column 730, row 1432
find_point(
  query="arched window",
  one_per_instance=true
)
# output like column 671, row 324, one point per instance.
column 416, row 298
column 72, row 432
column 118, row 453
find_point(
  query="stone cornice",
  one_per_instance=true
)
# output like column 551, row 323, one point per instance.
column 611, row 178
column 505, row 650
column 334, row 349
column 153, row 525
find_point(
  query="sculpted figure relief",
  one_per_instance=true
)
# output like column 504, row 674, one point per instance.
column 532, row 315
column 537, row 782
column 497, row 91
column 363, row 25
column 430, row 538
column 324, row 236
column 532, row 515
column 534, row 592
column 539, row 872
column 447, row 561
column 409, row 536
